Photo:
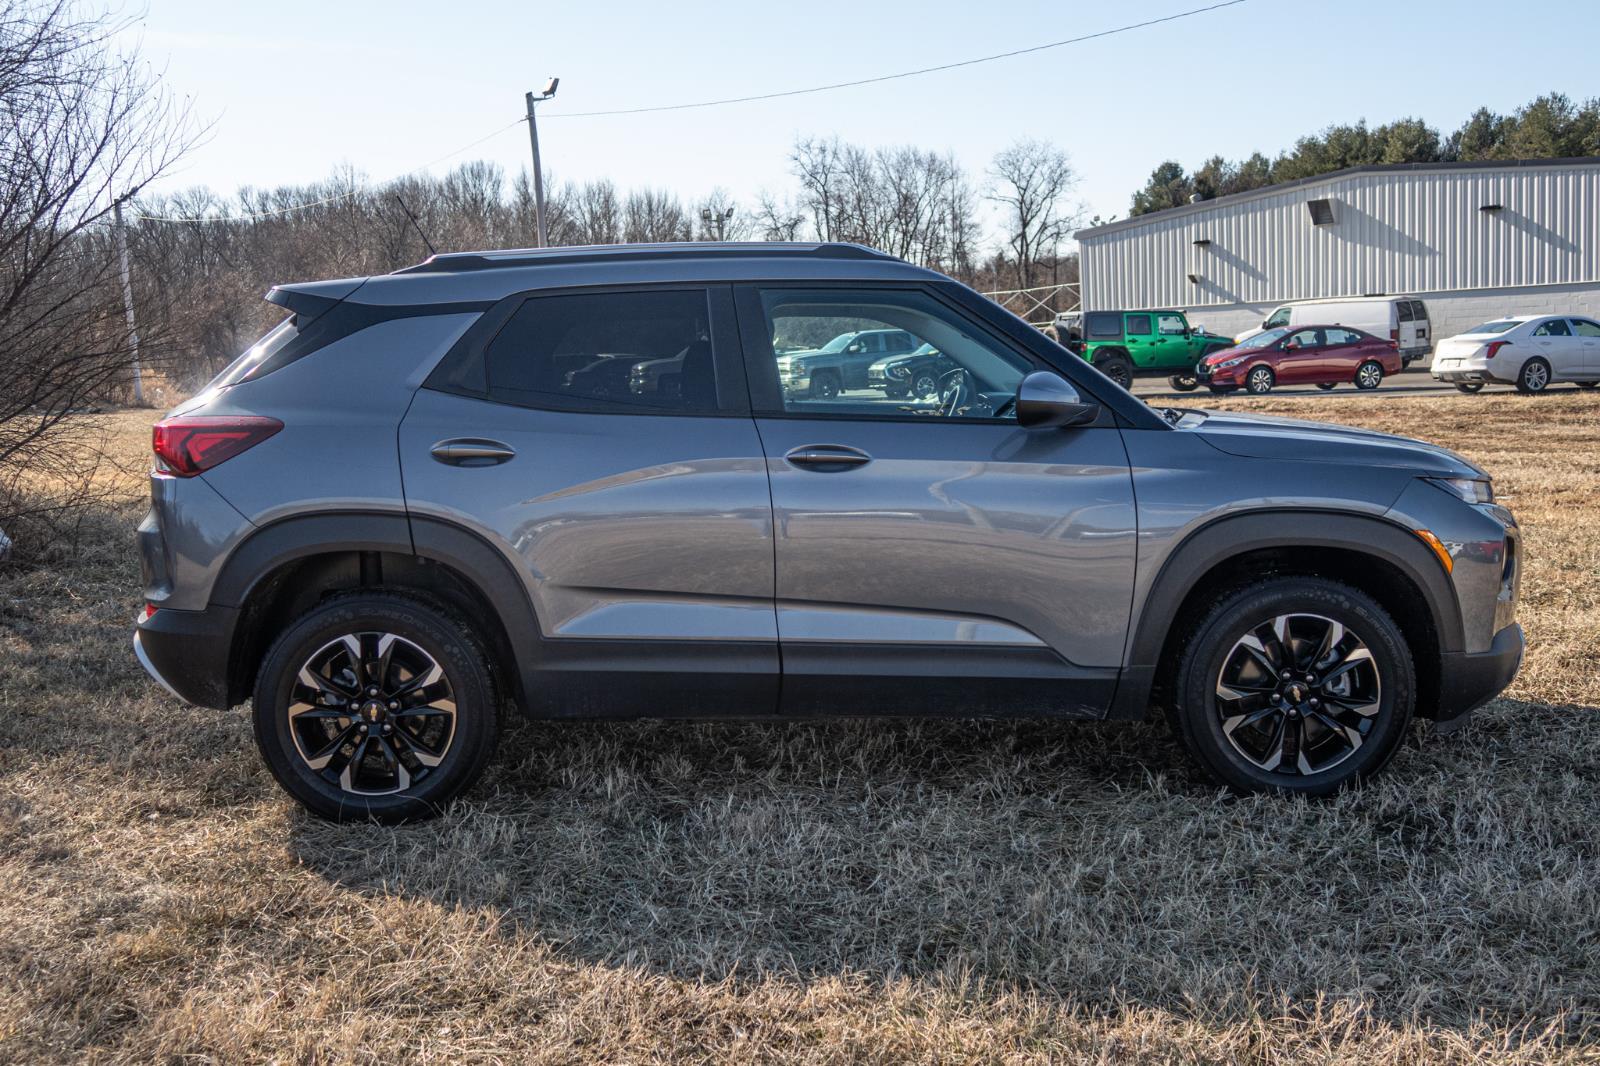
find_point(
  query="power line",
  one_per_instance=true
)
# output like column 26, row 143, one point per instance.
column 251, row 216
column 903, row 74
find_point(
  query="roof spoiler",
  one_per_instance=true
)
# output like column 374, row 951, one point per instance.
column 310, row 300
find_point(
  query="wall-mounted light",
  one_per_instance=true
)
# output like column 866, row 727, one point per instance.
column 1201, row 242
column 1194, row 279
column 1492, row 208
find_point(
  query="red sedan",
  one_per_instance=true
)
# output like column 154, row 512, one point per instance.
column 1324, row 356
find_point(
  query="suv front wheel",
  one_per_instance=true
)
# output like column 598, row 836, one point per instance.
column 1296, row 684
column 375, row 706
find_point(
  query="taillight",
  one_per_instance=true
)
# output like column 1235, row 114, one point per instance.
column 1394, row 337
column 1494, row 346
column 188, row 445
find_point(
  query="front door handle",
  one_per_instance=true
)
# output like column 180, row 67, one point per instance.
column 826, row 458
column 472, row 451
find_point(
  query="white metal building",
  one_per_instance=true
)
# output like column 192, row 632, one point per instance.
column 1474, row 240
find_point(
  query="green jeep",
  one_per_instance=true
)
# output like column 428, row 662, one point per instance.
column 1129, row 344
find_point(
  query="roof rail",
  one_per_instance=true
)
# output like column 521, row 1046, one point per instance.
column 455, row 262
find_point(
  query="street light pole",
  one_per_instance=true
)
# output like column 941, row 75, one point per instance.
column 718, row 219
column 541, row 234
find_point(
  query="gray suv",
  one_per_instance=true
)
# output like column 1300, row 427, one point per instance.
column 428, row 496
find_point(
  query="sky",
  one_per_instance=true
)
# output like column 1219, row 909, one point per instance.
column 296, row 88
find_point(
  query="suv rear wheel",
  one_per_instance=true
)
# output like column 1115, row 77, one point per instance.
column 1117, row 367
column 375, row 706
column 1297, row 684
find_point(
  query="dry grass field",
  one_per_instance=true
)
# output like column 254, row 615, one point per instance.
column 839, row 892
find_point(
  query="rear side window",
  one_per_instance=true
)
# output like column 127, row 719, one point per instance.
column 1345, row 336
column 1139, row 325
column 1102, row 325
column 608, row 352
column 1584, row 328
column 259, row 355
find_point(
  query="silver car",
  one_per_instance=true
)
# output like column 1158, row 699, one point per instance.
column 570, row 481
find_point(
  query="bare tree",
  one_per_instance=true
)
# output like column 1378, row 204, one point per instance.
column 778, row 220
column 84, row 128
column 1030, row 181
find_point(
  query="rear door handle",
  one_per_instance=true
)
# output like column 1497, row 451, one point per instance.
column 825, row 458
column 472, row 451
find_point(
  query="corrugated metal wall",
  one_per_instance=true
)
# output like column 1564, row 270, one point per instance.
column 1393, row 232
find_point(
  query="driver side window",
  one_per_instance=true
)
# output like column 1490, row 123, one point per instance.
column 935, row 364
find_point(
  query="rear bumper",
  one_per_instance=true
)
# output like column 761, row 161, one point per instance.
column 186, row 652
column 1468, row 680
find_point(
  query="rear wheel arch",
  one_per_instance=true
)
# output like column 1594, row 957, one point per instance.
column 1377, row 557
column 289, row 567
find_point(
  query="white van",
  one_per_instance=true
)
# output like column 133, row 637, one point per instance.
column 1402, row 319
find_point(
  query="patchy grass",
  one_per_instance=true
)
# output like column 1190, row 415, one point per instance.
column 833, row 892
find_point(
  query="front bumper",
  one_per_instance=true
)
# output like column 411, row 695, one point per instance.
column 187, row 653
column 1468, row 680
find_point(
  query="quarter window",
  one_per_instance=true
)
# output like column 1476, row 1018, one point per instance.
column 947, row 367
column 1103, row 325
column 644, row 351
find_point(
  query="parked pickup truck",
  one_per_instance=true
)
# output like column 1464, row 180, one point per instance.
column 1128, row 344
column 842, row 363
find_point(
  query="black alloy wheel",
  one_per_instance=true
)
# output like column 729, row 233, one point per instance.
column 375, row 705
column 1294, row 684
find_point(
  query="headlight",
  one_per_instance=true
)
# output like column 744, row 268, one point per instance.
column 1467, row 489
column 1231, row 362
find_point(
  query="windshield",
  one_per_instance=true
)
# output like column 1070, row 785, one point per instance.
column 1261, row 340
column 1498, row 326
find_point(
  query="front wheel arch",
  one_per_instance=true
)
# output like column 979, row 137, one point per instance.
column 1383, row 560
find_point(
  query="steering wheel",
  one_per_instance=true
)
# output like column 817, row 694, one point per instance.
column 955, row 392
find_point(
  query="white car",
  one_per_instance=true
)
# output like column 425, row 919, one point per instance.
column 1528, row 351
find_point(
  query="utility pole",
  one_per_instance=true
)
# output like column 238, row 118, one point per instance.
column 121, row 233
column 541, row 234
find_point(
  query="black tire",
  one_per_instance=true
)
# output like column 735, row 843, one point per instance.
column 1222, row 390
column 1117, row 367
column 461, row 739
column 825, row 385
column 1369, row 375
column 1327, row 386
column 924, row 383
column 1260, row 380
column 1534, row 377
column 1218, row 731
column 1184, row 382
column 1469, row 387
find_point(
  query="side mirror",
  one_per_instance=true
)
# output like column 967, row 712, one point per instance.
column 1291, row 346
column 1045, row 400
column 1265, row 324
